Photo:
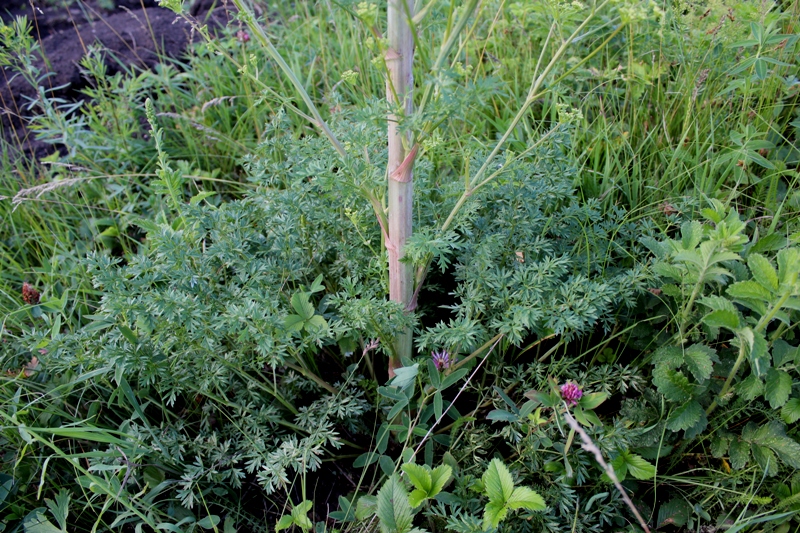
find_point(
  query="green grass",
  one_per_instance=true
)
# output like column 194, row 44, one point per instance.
column 672, row 112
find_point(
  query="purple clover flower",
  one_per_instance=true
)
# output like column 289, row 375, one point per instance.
column 571, row 393
column 442, row 360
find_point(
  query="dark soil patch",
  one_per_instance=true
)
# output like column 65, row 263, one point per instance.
column 136, row 34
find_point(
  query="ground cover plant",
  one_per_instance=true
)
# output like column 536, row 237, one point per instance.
column 200, row 331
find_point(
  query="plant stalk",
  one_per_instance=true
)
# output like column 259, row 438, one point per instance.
column 399, row 86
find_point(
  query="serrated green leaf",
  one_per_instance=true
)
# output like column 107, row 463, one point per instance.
column 769, row 243
column 750, row 388
column 419, row 476
column 366, row 507
column 302, row 306
column 759, row 354
column 525, row 498
column 498, row 482
column 668, row 356
column 676, row 513
column 285, row 522
column 691, row 234
column 699, row 361
column 40, row 524
column 749, row 290
column 416, row 498
column 790, row 413
column 393, row 508
column 685, row 416
column 778, row 387
column 739, row 453
column 722, row 319
column 765, row 458
column 316, row 323
column 673, row 385
column 620, row 467
column 293, row 322
column 763, row 271
column 783, row 352
column 439, row 478
column 638, row 467
column 493, row 514
column 788, row 266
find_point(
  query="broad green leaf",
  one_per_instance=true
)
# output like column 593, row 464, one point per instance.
column 300, row 515
column 788, row 265
column 393, row 508
column 620, row 468
column 302, row 306
column 639, row 467
column 592, row 400
column 749, row 290
column 722, row 319
column 699, row 361
column 685, row 416
column 763, row 271
column 316, row 323
column 419, row 476
column 493, row 514
column 739, row 453
column 40, row 524
column 525, row 498
column 405, row 376
column 778, row 387
column 293, row 322
column 790, row 412
column 783, row 352
column 438, row 404
column 498, row 482
column 691, row 234
column 366, row 507
column 668, row 356
column 211, row 521
column 765, row 459
column 674, row 385
column 153, row 476
column 439, row 478
column 285, row 522
column 759, row 354
column 416, row 498
column 453, row 378
column 676, row 513
column 750, row 388
column 769, row 243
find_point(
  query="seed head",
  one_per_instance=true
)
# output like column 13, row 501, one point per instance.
column 29, row 294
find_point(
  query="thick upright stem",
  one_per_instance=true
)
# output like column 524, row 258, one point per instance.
column 399, row 86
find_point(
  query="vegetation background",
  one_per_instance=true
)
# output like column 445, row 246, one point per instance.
column 196, row 332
